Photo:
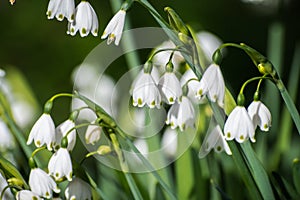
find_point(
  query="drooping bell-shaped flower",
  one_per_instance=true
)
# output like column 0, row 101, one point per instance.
column 114, row 29
column 214, row 140
column 145, row 91
column 181, row 114
column 212, row 84
column 260, row 115
column 169, row 87
column 61, row 9
column 41, row 183
column 27, row 195
column 60, row 164
column 43, row 132
column 78, row 189
column 85, row 21
column 92, row 134
column 239, row 125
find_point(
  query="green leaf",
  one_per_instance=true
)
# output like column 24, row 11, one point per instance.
column 11, row 171
column 296, row 174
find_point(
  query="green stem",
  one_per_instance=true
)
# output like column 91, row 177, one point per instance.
column 61, row 95
column 124, row 167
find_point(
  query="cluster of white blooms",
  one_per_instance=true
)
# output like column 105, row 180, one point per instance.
column 83, row 19
column 60, row 141
column 241, row 123
column 185, row 93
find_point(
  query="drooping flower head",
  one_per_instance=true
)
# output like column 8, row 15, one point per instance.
column 145, row 91
column 85, row 21
column 60, row 165
column 78, row 189
column 27, row 195
column 114, row 29
column 239, row 125
column 170, row 88
column 92, row 134
column 212, row 84
column 214, row 140
column 61, row 9
column 181, row 114
column 43, row 132
column 41, row 183
column 260, row 115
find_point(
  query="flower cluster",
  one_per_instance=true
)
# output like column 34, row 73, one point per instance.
column 60, row 141
column 182, row 95
column 83, row 19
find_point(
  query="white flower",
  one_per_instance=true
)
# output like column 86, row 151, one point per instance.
column 181, row 114
column 170, row 88
column 145, row 91
column 190, row 78
column 216, row 140
column 114, row 28
column 86, row 20
column 212, row 84
column 78, row 189
column 61, row 9
column 63, row 129
column 92, row 134
column 7, row 141
column 43, row 132
column 41, row 183
column 60, row 165
column 260, row 115
column 239, row 125
column 27, row 195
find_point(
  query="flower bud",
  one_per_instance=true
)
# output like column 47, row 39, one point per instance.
column 217, row 57
column 175, row 22
column 103, row 150
column 241, row 99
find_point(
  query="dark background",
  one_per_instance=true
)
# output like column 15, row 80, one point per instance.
column 42, row 50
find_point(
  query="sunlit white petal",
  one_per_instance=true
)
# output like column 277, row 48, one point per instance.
column 212, row 84
column 78, row 189
column 181, row 114
column 67, row 127
column 61, row 9
column 41, row 183
column 260, row 115
column 86, row 20
column 43, row 132
column 170, row 88
column 239, row 125
column 145, row 91
column 60, row 165
column 114, row 29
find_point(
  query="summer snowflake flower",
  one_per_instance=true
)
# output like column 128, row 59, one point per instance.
column 92, row 134
column 214, row 140
column 145, row 91
column 41, row 183
column 27, row 195
column 114, row 29
column 239, row 125
column 212, row 84
column 43, row 132
column 181, row 114
column 260, row 115
column 61, row 9
column 60, row 165
column 86, row 20
column 169, row 87
column 78, row 189
column 63, row 129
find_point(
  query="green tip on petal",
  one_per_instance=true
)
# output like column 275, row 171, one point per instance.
column 140, row 101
